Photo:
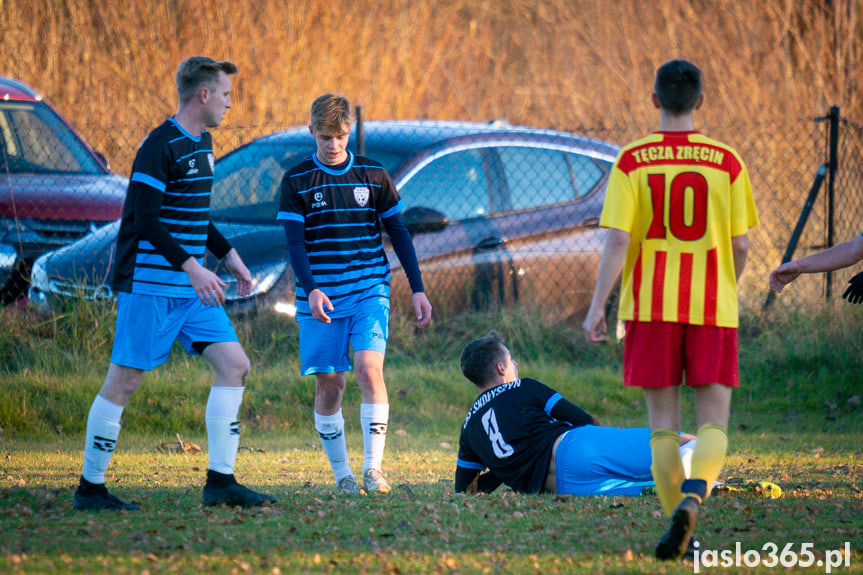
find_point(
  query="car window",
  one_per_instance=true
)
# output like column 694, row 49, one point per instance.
column 586, row 173
column 534, row 177
column 537, row 177
column 453, row 184
column 33, row 139
column 389, row 160
column 247, row 181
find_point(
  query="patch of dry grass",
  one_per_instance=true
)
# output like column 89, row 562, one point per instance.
column 554, row 63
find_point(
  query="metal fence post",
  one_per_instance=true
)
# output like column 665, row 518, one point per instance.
column 820, row 174
column 361, row 133
column 832, row 163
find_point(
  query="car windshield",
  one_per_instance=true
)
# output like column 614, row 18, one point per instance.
column 33, row 139
column 248, row 180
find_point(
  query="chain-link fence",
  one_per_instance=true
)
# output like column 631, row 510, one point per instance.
column 807, row 179
column 500, row 215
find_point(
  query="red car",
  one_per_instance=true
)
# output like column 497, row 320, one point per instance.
column 54, row 188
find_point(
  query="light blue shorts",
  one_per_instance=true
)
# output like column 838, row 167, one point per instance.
column 147, row 326
column 593, row 460
column 325, row 347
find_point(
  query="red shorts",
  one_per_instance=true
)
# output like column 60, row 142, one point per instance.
column 656, row 355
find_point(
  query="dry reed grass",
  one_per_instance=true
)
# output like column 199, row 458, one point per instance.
column 557, row 63
column 577, row 65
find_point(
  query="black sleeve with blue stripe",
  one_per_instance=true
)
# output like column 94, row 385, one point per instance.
column 150, row 175
column 218, row 245
column 563, row 410
column 556, row 406
column 294, row 234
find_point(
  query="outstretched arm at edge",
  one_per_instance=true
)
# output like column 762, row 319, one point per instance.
column 838, row 257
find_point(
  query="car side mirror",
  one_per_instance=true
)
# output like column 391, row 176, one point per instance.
column 420, row 220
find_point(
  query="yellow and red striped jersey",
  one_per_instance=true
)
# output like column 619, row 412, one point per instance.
column 681, row 196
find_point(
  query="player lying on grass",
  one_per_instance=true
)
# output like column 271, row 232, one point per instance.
column 532, row 439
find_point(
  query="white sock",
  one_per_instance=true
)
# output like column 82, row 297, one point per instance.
column 373, row 419
column 103, row 428
column 223, row 427
column 331, row 430
column 686, row 454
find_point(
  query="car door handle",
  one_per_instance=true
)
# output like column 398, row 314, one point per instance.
column 491, row 243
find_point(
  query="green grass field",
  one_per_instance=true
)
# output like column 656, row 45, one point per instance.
column 796, row 422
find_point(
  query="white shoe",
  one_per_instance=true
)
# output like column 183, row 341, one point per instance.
column 347, row 486
column 374, row 481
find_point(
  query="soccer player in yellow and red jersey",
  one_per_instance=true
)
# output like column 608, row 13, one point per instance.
column 678, row 207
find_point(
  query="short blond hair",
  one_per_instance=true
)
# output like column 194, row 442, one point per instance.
column 197, row 71
column 331, row 113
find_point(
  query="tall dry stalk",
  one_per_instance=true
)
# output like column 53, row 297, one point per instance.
column 567, row 64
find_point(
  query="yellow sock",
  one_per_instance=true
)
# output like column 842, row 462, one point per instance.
column 708, row 457
column 667, row 468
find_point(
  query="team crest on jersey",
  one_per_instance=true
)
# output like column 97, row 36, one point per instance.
column 192, row 169
column 361, row 195
column 212, row 163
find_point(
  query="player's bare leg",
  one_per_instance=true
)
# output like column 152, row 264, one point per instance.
column 329, row 390
column 374, row 417
column 120, row 383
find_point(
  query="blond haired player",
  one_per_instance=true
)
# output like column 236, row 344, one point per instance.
column 333, row 206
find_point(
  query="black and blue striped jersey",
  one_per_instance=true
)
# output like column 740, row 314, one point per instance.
column 166, row 215
column 341, row 208
column 509, row 429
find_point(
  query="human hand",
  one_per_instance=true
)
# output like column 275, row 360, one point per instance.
column 854, row 292
column 206, row 284
column 423, row 309
column 318, row 300
column 783, row 275
column 239, row 270
column 595, row 328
